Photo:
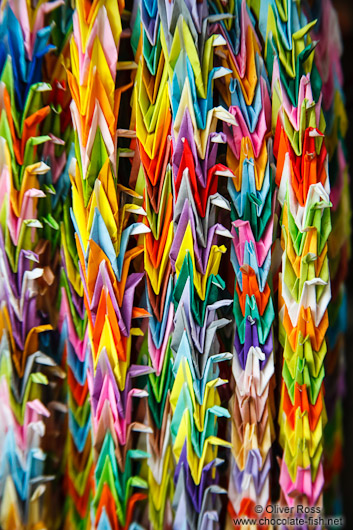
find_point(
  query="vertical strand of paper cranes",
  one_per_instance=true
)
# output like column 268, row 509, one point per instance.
column 246, row 93
column 304, row 281
column 198, row 426
column 153, row 120
column 327, row 56
column 32, row 416
column 105, row 212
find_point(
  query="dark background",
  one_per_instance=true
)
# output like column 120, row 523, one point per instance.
column 345, row 13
